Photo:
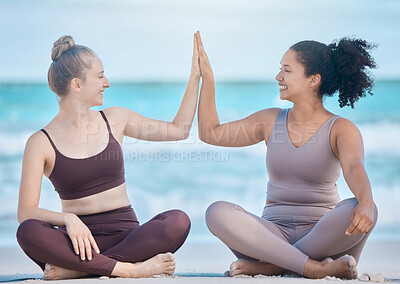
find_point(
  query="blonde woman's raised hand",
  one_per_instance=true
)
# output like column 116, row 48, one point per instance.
column 195, row 59
column 205, row 66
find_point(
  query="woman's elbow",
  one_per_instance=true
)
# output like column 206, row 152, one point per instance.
column 207, row 139
column 203, row 137
column 20, row 216
column 204, row 134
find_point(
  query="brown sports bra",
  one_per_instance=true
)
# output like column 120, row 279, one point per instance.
column 75, row 178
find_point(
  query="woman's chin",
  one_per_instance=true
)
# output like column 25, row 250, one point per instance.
column 282, row 97
column 97, row 104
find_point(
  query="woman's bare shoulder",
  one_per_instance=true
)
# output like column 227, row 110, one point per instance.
column 38, row 145
column 116, row 112
column 344, row 125
column 269, row 114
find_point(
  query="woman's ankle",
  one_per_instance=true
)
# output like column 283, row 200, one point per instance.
column 313, row 269
column 122, row 269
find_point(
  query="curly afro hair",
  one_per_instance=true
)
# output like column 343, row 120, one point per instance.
column 342, row 66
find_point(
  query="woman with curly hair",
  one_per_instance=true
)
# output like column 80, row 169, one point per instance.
column 304, row 227
column 97, row 232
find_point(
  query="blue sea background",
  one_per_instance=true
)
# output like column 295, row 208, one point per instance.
column 190, row 174
column 146, row 50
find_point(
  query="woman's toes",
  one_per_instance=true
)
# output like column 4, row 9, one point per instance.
column 48, row 272
column 170, row 256
column 352, row 261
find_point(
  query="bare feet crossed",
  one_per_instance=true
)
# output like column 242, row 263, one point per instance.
column 251, row 267
column 343, row 267
column 159, row 264
column 53, row 272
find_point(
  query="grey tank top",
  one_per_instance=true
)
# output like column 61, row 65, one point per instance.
column 306, row 175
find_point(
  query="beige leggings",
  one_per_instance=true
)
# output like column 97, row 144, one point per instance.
column 287, row 235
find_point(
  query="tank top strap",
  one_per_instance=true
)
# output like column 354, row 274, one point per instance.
column 51, row 141
column 105, row 119
column 279, row 127
column 332, row 119
column 282, row 116
column 280, row 121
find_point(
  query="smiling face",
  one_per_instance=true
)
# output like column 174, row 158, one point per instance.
column 292, row 81
column 91, row 89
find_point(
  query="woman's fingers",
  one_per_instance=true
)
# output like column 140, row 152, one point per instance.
column 200, row 46
column 354, row 219
column 75, row 245
column 195, row 59
column 199, row 42
column 195, row 46
column 88, row 248
column 81, row 248
column 93, row 243
column 195, row 51
column 361, row 225
column 367, row 226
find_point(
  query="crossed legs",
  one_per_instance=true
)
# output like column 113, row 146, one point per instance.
column 135, row 254
column 266, row 250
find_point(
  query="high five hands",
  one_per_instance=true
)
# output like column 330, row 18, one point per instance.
column 205, row 68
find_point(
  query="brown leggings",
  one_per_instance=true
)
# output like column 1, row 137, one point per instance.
column 287, row 235
column 118, row 236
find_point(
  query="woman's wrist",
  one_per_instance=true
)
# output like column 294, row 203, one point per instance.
column 208, row 79
column 194, row 77
column 67, row 217
column 367, row 200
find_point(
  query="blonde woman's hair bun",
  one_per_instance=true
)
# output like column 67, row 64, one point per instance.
column 61, row 45
column 70, row 61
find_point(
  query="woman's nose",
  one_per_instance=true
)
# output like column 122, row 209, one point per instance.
column 107, row 83
column 279, row 76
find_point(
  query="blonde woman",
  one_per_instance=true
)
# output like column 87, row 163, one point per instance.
column 80, row 152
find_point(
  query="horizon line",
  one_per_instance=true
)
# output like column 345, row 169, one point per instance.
column 126, row 82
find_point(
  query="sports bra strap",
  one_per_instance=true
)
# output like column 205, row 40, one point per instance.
column 105, row 119
column 51, row 141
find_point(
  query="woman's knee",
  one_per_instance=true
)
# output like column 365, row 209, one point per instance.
column 351, row 203
column 218, row 214
column 178, row 225
column 28, row 232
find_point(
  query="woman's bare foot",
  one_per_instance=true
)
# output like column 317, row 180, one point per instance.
column 52, row 272
column 343, row 267
column 250, row 267
column 159, row 264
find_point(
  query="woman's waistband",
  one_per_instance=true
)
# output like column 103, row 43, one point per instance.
column 275, row 210
column 117, row 210
column 115, row 216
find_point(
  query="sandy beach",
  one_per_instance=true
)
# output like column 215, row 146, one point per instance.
column 206, row 263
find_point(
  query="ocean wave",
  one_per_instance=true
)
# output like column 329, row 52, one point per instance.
column 152, row 196
column 379, row 138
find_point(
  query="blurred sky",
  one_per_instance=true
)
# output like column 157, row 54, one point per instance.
column 151, row 40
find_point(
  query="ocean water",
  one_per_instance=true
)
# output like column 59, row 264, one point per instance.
column 189, row 174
